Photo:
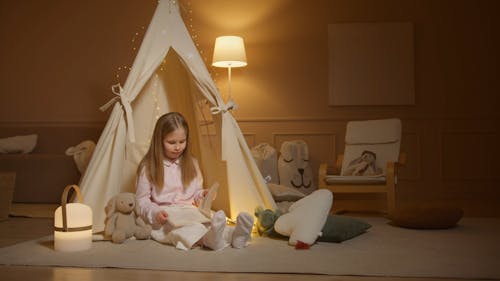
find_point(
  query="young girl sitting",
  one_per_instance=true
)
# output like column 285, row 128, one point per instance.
column 170, row 181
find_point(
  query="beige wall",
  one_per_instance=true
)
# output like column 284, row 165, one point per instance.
column 59, row 58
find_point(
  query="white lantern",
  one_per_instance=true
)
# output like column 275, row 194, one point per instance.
column 72, row 224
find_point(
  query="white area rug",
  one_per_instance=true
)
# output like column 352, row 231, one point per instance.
column 471, row 250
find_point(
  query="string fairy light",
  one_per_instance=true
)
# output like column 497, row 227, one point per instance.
column 122, row 71
column 156, row 103
column 186, row 10
column 187, row 15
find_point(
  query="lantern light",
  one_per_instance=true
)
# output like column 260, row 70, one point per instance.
column 72, row 224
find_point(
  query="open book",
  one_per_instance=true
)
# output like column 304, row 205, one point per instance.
column 182, row 215
column 205, row 206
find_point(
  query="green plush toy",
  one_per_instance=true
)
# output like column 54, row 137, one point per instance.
column 336, row 229
column 265, row 222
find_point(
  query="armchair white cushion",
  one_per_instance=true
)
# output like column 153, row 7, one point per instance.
column 369, row 162
column 382, row 137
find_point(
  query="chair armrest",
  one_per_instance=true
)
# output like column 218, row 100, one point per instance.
column 323, row 167
column 402, row 159
column 390, row 170
column 338, row 164
column 322, row 175
column 323, row 170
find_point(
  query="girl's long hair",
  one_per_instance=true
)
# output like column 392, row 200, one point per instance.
column 153, row 160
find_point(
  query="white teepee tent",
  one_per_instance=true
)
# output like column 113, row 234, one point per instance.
column 168, row 74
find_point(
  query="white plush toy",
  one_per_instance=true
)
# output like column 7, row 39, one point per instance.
column 293, row 166
column 81, row 154
column 267, row 161
column 305, row 219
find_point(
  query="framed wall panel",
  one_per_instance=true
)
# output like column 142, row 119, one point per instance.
column 371, row 64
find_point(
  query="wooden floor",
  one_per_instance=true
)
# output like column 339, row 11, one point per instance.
column 15, row 230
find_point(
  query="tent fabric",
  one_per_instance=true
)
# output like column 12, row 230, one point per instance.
column 168, row 74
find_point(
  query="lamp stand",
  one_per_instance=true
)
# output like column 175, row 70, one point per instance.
column 229, row 52
column 228, row 83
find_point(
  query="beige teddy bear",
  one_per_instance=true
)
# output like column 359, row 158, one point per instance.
column 123, row 220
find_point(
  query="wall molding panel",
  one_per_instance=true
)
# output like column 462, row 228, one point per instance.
column 412, row 146
column 469, row 155
column 440, row 155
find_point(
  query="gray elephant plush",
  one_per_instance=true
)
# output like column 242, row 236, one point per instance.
column 123, row 220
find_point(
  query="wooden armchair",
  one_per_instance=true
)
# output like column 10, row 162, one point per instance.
column 375, row 141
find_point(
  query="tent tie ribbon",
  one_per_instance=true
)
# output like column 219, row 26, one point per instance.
column 118, row 90
column 230, row 105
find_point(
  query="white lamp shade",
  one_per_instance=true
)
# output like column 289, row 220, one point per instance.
column 229, row 51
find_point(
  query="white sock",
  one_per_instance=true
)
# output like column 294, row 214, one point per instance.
column 159, row 235
column 214, row 239
column 242, row 231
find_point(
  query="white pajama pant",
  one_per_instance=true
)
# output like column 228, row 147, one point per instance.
column 185, row 236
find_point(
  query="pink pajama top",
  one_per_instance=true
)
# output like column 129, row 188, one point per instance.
column 150, row 199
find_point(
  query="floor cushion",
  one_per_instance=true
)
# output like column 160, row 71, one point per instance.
column 426, row 217
column 340, row 228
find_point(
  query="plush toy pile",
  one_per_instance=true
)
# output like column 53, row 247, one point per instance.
column 305, row 218
column 308, row 221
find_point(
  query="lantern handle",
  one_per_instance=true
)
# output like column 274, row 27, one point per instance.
column 64, row 197
column 64, row 200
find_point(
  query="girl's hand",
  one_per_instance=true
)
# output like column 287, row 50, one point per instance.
column 161, row 217
column 196, row 203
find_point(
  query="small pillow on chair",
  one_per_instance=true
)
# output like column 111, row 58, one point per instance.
column 426, row 217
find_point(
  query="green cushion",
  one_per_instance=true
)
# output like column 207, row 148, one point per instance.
column 340, row 228
column 336, row 229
